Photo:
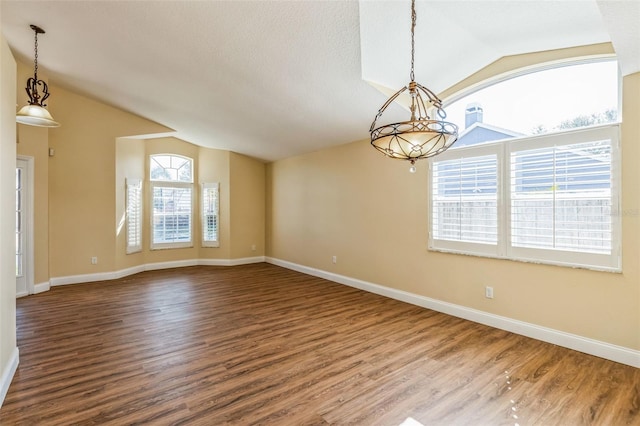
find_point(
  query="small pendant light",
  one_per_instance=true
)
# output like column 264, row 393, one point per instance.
column 34, row 114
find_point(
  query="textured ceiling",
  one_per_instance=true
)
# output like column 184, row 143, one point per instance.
column 272, row 79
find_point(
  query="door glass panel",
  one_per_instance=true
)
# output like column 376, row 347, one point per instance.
column 19, row 233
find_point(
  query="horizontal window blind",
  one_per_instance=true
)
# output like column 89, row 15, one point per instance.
column 134, row 215
column 561, row 197
column 210, row 213
column 171, row 215
column 465, row 196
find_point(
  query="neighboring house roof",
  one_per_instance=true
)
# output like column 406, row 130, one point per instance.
column 480, row 132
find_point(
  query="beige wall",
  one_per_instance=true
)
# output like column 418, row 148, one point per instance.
column 82, row 173
column 370, row 212
column 247, row 207
column 7, row 208
column 631, row 201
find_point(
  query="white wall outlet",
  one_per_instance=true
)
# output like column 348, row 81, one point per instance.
column 334, row 259
column 488, row 292
column 94, row 260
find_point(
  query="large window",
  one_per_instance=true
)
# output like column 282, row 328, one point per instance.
column 172, row 201
column 548, row 195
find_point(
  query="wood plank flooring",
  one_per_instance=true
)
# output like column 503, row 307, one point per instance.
column 262, row 345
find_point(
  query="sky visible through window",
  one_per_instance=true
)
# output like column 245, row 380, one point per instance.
column 544, row 98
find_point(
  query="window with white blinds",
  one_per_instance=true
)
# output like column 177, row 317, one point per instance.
column 171, row 201
column 171, row 216
column 210, row 214
column 561, row 197
column 134, row 215
column 465, row 199
column 552, row 198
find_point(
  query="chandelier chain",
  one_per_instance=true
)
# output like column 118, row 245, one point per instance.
column 413, row 43
column 35, row 61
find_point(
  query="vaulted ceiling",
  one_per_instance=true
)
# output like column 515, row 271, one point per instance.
column 272, row 79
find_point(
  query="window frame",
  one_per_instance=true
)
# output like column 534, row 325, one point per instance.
column 171, row 184
column 504, row 249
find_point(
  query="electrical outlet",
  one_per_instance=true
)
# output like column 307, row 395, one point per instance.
column 253, row 247
column 334, row 259
column 94, row 260
column 488, row 292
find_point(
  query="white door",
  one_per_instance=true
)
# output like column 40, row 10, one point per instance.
column 24, row 240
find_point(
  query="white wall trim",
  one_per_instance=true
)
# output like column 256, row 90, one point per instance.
column 598, row 348
column 214, row 262
column 106, row 276
column 84, row 278
column 172, row 264
column 246, row 260
column 41, row 287
column 231, row 262
column 7, row 374
column 128, row 271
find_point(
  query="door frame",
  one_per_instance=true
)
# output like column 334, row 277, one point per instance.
column 28, row 166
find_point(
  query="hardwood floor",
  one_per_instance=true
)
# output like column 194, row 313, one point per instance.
column 259, row 344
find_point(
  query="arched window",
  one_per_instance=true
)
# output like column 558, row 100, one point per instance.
column 171, row 179
column 535, row 173
column 546, row 100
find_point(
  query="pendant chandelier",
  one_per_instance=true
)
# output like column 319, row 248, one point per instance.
column 421, row 136
column 34, row 113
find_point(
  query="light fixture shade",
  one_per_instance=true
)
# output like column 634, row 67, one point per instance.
column 421, row 136
column 35, row 115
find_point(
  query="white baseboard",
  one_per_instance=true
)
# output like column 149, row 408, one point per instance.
column 231, row 262
column 40, row 287
column 169, row 265
column 246, row 260
column 84, row 278
column 7, row 374
column 589, row 346
column 128, row 271
column 37, row 288
column 106, row 276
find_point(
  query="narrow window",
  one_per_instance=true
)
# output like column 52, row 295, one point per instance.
column 210, row 215
column 134, row 215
